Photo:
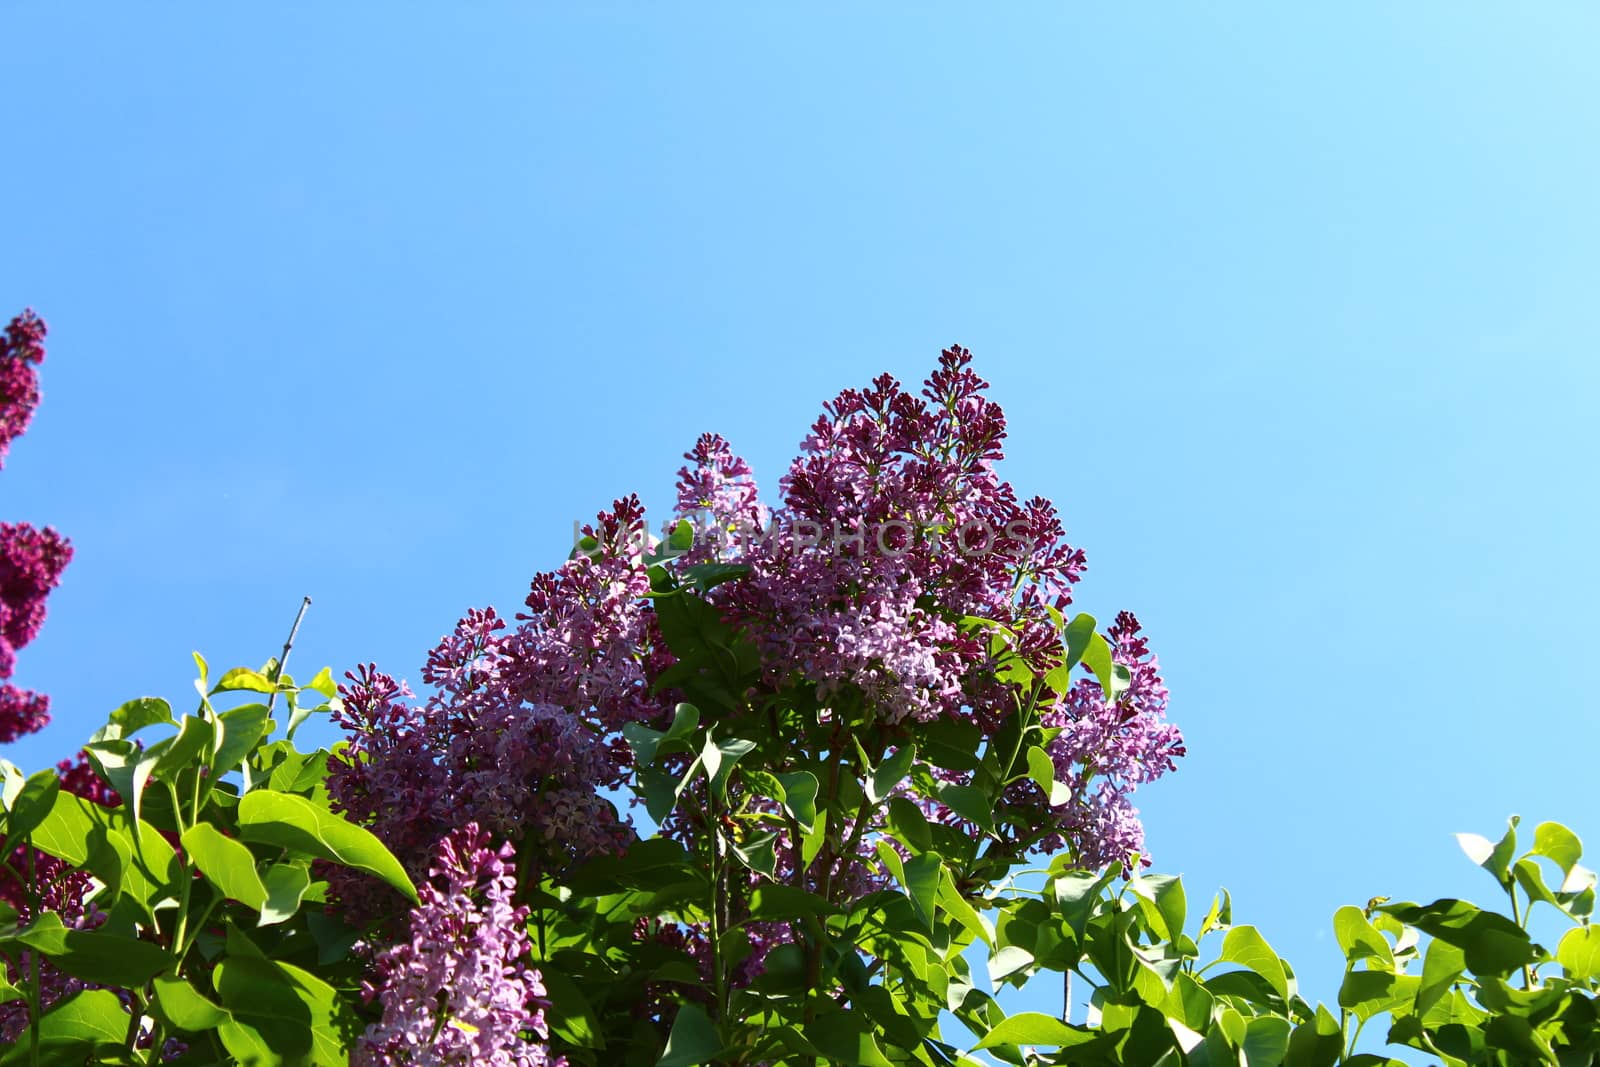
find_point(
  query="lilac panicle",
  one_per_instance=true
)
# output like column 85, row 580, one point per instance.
column 459, row 992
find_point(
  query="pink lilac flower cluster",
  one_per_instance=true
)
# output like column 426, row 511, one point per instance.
column 31, row 560
column 459, row 992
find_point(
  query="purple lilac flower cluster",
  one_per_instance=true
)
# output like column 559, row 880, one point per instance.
column 526, row 772
column 21, row 350
column 458, row 992
column 885, row 624
column 1106, row 749
column 877, row 612
column 31, row 560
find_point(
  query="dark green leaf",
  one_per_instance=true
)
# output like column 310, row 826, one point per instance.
column 646, row 743
column 693, row 1039
column 969, row 802
column 800, row 796
column 85, row 1020
column 757, row 853
column 107, row 959
column 890, row 773
column 184, row 1007
column 1492, row 943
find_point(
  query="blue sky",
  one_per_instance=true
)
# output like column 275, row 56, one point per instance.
column 1292, row 313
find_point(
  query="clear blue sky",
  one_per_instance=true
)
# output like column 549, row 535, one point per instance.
column 1293, row 313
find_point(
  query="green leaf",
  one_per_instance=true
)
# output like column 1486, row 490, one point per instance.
column 285, row 885
column 127, row 768
column 800, row 796
column 757, row 853
column 693, row 1039
column 681, row 539
column 1441, row 968
column 1245, row 946
column 1531, row 879
column 969, row 802
column 1360, row 939
column 184, row 1007
column 570, row 1016
column 1318, row 1042
column 294, row 1014
column 775, row 900
column 1078, row 634
column 243, row 678
column 86, row 1020
column 134, row 716
column 1266, row 1039
column 1042, row 769
column 178, row 753
column 1220, row 917
column 1369, row 993
column 1492, row 943
column 324, row 683
column 890, row 773
column 1031, row 1028
column 297, row 823
column 107, row 959
column 1165, row 891
column 11, row 783
column 814, row 839
column 922, row 885
column 64, row 833
column 719, row 757
column 961, row 909
column 843, row 1042
column 909, row 825
column 1555, row 841
column 1579, row 953
column 239, row 730
column 226, row 863
column 1494, row 858
column 646, row 743
column 1097, row 657
column 31, row 806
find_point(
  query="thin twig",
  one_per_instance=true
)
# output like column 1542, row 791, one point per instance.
column 287, row 645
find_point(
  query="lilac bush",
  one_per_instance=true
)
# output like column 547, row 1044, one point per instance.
column 899, row 600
